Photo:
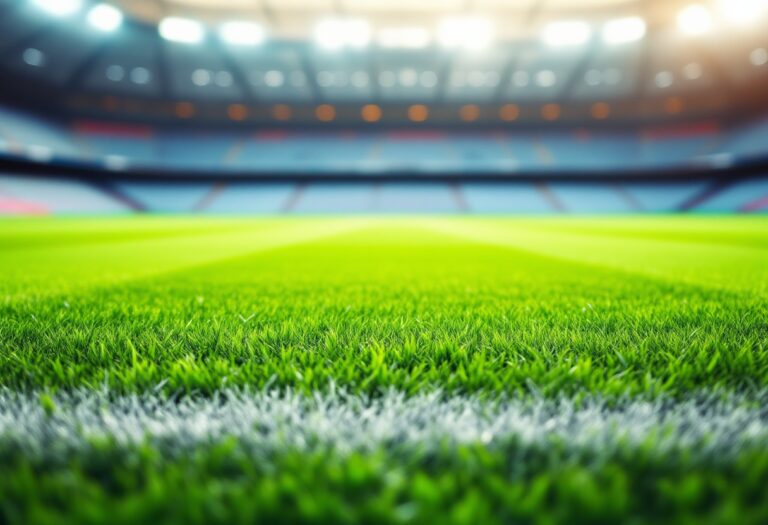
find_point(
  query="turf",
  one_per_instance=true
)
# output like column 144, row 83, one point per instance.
column 492, row 310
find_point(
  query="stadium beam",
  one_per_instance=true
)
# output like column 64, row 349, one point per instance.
column 372, row 67
column 444, row 69
column 162, row 67
column 587, row 57
column 78, row 75
column 240, row 78
column 310, row 71
column 25, row 40
column 723, row 79
column 646, row 54
column 509, row 69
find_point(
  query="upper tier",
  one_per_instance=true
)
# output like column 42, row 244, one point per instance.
column 118, row 146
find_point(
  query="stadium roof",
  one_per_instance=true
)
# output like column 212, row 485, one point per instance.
column 296, row 18
column 328, row 60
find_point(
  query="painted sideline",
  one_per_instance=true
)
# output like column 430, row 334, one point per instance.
column 707, row 426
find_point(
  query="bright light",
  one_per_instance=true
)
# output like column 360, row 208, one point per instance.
column 201, row 77
column 182, row 30
column 693, row 71
column 403, row 37
column 242, row 33
column 141, row 76
column 623, row 30
column 743, row 12
column 664, row 79
column 59, row 7
column 473, row 33
column 546, row 78
column 694, row 20
column 33, row 57
column 39, row 153
column 567, row 33
column 337, row 33
column 759, row 57
column 105, row 17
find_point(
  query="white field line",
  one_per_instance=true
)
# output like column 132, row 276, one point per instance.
column 707, row 426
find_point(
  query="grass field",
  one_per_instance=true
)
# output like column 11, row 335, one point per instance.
column 380, row 370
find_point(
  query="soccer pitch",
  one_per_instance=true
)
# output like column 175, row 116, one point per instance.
column 384, row 370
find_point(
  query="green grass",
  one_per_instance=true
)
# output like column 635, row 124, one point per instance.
column 489, row 307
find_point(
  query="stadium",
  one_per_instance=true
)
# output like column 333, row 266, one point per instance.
column 384, row 261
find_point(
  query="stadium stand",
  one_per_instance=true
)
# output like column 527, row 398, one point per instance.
column 268, row 151
column 333, row 198
column 24, row 136
column 654, row 198
column 22, row 195
column 580, row 198
column 146, row 123
column 164, row 197
column 499, row 198
column 40, row 195
column 27, row 135
column 205, row 151
column 144, row 147
column 417, row 198
column 244, row 198
column 104, row 141
column 746, row 196
column 748, row 141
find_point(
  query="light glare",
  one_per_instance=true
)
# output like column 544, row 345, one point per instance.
column 59, row 7
column 33, row 57
column 242, row 33
column 335, row 33
column 473, row 33
column 105, row 17
column 182, row 30
column 759, row 57
column 694, row 20
column 403, row 37
column 566, row 33
column 624, row 30
column 743, row 12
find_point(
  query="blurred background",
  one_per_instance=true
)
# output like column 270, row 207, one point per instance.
column 383, row 106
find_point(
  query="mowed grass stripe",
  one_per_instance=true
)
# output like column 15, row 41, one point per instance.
column 84, row 261
column 751, row 231
column 18, row 234
column 394, row 304
column 727, row 266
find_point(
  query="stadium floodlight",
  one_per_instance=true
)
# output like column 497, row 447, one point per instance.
column 759, row 57
column 471, row 33
column 624, row 30
column 39, row 153
column 59, row 7
column 403, row 37
column 743, row 12
column 329, row 34
column 242, row 33
column 337, row 33
column 566, row 33
column 105, row 17
column 694, row 20
column 181, row 30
